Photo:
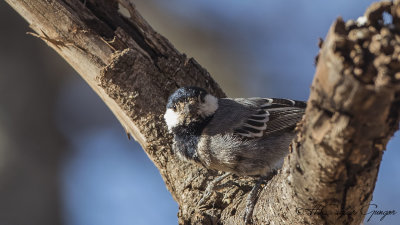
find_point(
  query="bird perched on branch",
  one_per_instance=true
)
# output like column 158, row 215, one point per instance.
column 243, row 136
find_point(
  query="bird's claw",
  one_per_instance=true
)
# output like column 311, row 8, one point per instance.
column 252, row 200
column 203, row 200
column 210, row 188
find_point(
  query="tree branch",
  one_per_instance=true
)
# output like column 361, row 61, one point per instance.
column 353, row 109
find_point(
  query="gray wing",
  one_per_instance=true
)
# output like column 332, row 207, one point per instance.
column 268, row 116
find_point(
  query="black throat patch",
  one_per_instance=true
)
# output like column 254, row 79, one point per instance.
column 187, row 138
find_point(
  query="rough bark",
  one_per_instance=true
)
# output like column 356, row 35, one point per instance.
column 353, row 109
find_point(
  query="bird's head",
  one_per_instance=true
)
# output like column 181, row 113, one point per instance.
column 189, row 105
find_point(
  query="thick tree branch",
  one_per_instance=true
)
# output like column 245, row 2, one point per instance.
column 353, row 109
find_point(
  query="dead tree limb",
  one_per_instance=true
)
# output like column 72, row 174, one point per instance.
column 353, row 108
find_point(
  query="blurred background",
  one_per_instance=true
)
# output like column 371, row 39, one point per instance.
column 65, row 159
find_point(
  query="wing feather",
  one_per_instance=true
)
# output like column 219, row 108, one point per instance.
column 273, row 115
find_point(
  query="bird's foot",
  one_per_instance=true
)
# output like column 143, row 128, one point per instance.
column 251, row 201
column 253, row 197
column 210, row 188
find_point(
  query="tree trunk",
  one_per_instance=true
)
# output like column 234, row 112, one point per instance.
column 352, row 112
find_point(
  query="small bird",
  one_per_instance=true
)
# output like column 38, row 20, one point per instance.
column 243, row 136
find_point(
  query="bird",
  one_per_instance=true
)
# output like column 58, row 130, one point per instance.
column 241, row 136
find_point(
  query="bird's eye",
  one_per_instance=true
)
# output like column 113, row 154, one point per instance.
column 174, row 107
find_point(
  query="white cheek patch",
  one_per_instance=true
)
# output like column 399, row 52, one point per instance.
column 209, row 106
column 171, row 118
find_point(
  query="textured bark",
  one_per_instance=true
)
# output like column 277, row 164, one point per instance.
column 353, row 109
